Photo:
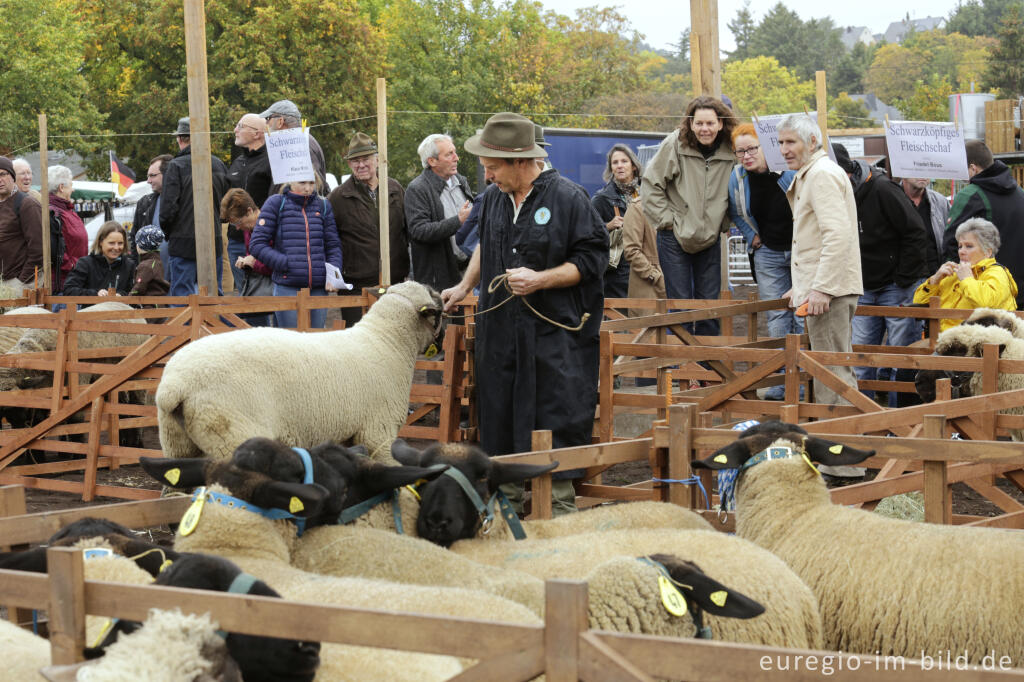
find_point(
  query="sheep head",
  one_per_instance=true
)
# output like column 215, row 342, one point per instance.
column 965, row 340
column 259, row 489
column 758, row 438
column 703, row 593
column 424, row 301
column 996, row 317
column 446, row 512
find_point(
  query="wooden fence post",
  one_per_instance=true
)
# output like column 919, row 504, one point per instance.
column 938, row 498
column 12, row 503
column 451, row 379
column 989, row 384
column 565, row 619
column 606, row 385
column 302, row 304
column 793, row 370
column 681, row 420
column 92, row 449
column 67, row 604
column 540, row 506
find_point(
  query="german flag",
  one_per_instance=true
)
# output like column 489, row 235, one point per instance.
column 120, row 174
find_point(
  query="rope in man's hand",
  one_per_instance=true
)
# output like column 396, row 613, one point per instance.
column 502, row 281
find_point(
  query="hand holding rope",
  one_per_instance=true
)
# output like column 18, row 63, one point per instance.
column 502, row 280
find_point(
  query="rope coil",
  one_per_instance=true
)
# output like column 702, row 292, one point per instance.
column 502, row 280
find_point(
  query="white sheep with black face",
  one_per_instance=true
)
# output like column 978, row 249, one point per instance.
column 885, row 586
column 300, row 388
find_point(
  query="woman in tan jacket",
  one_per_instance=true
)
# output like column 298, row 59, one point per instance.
column 640, row 248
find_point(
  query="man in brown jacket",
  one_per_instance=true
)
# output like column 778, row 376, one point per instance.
column 355, row 204
column 21, row 236
column 825, row 265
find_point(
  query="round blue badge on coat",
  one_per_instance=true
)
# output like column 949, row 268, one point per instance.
column 542, row 216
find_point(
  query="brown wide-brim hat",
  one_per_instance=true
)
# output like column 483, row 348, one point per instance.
column 361, row 144
column 506, row 136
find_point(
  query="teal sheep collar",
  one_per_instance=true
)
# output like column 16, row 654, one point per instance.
column 727, row 477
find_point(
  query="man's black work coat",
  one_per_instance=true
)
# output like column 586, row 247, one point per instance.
column 530, row 373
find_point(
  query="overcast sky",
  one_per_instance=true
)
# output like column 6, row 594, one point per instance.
column 661, row 23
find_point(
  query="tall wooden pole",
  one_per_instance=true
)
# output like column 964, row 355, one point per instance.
column 822, row 104
column 705, row 60
column 382, row 182
column 44, row 195
column 202, row 174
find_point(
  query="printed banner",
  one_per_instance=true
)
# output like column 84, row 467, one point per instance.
column 926, row 149
column 288, row 151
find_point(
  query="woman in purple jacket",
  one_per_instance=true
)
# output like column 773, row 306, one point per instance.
column 295, row 236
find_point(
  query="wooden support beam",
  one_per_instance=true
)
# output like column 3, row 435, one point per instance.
column 67, row 604
column 565, row 618
column 540, row 507
column 382, row 182
column 44, row 192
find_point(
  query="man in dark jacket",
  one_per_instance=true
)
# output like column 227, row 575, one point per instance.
column 437, row 203
column 177, row 215
column 21, row 233
column 249, row 170
column 356, row 211
column 893, row 247
column 537, row 355
column 994, row 195
column 147, row 210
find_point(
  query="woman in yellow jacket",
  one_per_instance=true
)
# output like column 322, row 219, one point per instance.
column 977, row 281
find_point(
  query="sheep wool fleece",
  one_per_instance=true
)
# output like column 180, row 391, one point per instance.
column 887, row 586
column 300, row 388
column 24, row 654
column 791, row 615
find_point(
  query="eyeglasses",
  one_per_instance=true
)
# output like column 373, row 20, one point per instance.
column 252, row 128
column 273, row 116
column 361, row 161
column 150, row 176
column 752, row 151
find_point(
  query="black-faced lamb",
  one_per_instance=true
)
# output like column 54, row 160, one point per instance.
column 300, row 388
column 885, row 586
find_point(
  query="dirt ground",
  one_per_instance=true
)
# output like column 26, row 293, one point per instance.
column 965, row 500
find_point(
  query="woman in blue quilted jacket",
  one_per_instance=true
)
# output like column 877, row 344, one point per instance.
column 295, row 236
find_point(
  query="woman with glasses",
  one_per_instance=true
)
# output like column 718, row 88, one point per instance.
column 758, row 206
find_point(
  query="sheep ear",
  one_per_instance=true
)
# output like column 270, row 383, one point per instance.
column 509, row 472
column 303, row 500
column 834, row 454
column 380, row 477
column 404, row 453
column 185, row 474
column 731, row 456
column 717, row 599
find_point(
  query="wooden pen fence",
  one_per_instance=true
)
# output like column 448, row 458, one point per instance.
column 563, row 648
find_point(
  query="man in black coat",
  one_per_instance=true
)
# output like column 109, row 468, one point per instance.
column 437, row 203
column 994, row 195
column 537, row 356
column 893, row 249
column 147, row 210
column 249, row 170
column 177, row 215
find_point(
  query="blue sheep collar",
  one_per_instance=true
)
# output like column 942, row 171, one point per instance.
column 350, row 514
column 486, row 511
column 727, row 477
column 226, row 500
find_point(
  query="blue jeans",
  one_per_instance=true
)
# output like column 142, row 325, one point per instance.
column 289, row 319
column 691, row 275
column 236, row 250
column 184, row 278
column 773, row 280
column 897, row 331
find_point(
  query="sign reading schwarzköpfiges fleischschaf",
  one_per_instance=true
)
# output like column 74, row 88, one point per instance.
column 288, row 151
column 924, row 149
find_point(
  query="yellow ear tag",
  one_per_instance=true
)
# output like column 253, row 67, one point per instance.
column 721, row 459
column 431, row 350
column 381, row 291
column 165, row 565
column 673, row 602
column 295, row 505
column 191, row 518
column 718, row 598
column 173, row 476
column 836, row 449
column 103, row 632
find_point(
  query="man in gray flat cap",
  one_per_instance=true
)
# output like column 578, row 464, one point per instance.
column 537, row 355
column 282, row 115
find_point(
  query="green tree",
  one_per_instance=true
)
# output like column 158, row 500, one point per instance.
column 759, row 85
column 804, row 47
column 980, row 17
column 851, row 70
column 1006, row 68
column 742, row 28
column 846, row 112
column 929, row 101
column 41, row 48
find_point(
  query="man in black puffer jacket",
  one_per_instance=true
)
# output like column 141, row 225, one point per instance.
column 892, row 255
column 177, row 215
column 994, row 195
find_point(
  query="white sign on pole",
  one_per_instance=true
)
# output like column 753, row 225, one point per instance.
column 768, row 138
column 288, row 151
column 854, row 145
column 925, row 149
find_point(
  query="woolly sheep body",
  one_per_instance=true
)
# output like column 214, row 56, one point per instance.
column 24, row 654
column 263, row 548
column 884, row 585
column 1005, row 319
column 791, row 615
column 300, row 388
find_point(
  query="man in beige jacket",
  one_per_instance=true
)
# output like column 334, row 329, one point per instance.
column 825, row 265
